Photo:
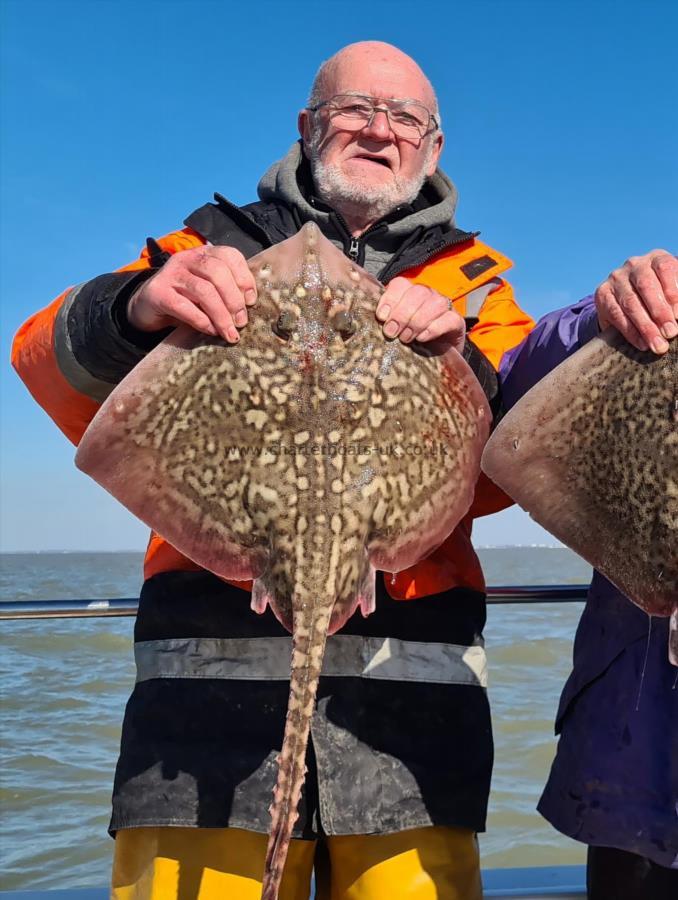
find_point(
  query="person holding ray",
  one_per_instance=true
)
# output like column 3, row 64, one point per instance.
column 614, row 782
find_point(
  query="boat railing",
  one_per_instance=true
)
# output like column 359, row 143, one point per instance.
column 127, row 606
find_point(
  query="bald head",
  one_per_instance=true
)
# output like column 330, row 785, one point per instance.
column 361, row 167
column 373, row 62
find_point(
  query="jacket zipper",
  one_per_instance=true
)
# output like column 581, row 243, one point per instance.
column 353, row 251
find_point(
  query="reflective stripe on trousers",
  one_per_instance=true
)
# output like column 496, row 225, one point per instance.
column 348, row 655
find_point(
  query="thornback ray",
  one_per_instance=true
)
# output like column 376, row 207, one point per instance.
column 591, row 452
column 305, row 457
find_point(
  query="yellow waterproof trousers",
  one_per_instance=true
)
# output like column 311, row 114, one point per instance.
column 227, row 863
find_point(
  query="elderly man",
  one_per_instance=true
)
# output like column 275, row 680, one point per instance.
column 399, row 771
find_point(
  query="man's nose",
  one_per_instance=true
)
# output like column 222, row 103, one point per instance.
column 378, row 126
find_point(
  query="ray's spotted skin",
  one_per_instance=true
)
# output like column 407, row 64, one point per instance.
column 305, row 457
column 591, row 452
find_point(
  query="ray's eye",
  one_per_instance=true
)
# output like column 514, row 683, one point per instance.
column 345, row 324
column 285, row 324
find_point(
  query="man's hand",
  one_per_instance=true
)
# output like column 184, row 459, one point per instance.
column 640, row 300
column 208, row 288
column 414, row 312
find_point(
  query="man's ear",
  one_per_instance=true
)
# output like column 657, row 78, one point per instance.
column 304, row 126
column 438, row 143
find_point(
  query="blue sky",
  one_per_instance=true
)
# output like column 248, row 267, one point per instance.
column 120, row 118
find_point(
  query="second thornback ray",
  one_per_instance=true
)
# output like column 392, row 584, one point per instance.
column 591, row 452
column 304, row 457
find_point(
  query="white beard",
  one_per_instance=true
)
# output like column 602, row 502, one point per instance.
column 353, row 196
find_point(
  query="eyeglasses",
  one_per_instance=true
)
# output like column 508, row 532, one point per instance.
column 352, row 112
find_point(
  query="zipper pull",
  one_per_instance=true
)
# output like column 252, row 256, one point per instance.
column 354, row 249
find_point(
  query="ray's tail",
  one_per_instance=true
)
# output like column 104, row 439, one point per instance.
column 310, row 636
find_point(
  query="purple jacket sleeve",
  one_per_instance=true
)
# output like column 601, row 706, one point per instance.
column 555, row 337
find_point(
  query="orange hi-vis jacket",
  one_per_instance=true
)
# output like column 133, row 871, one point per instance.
column 467, row 273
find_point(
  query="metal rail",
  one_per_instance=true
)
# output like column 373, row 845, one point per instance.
column 127, row 606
